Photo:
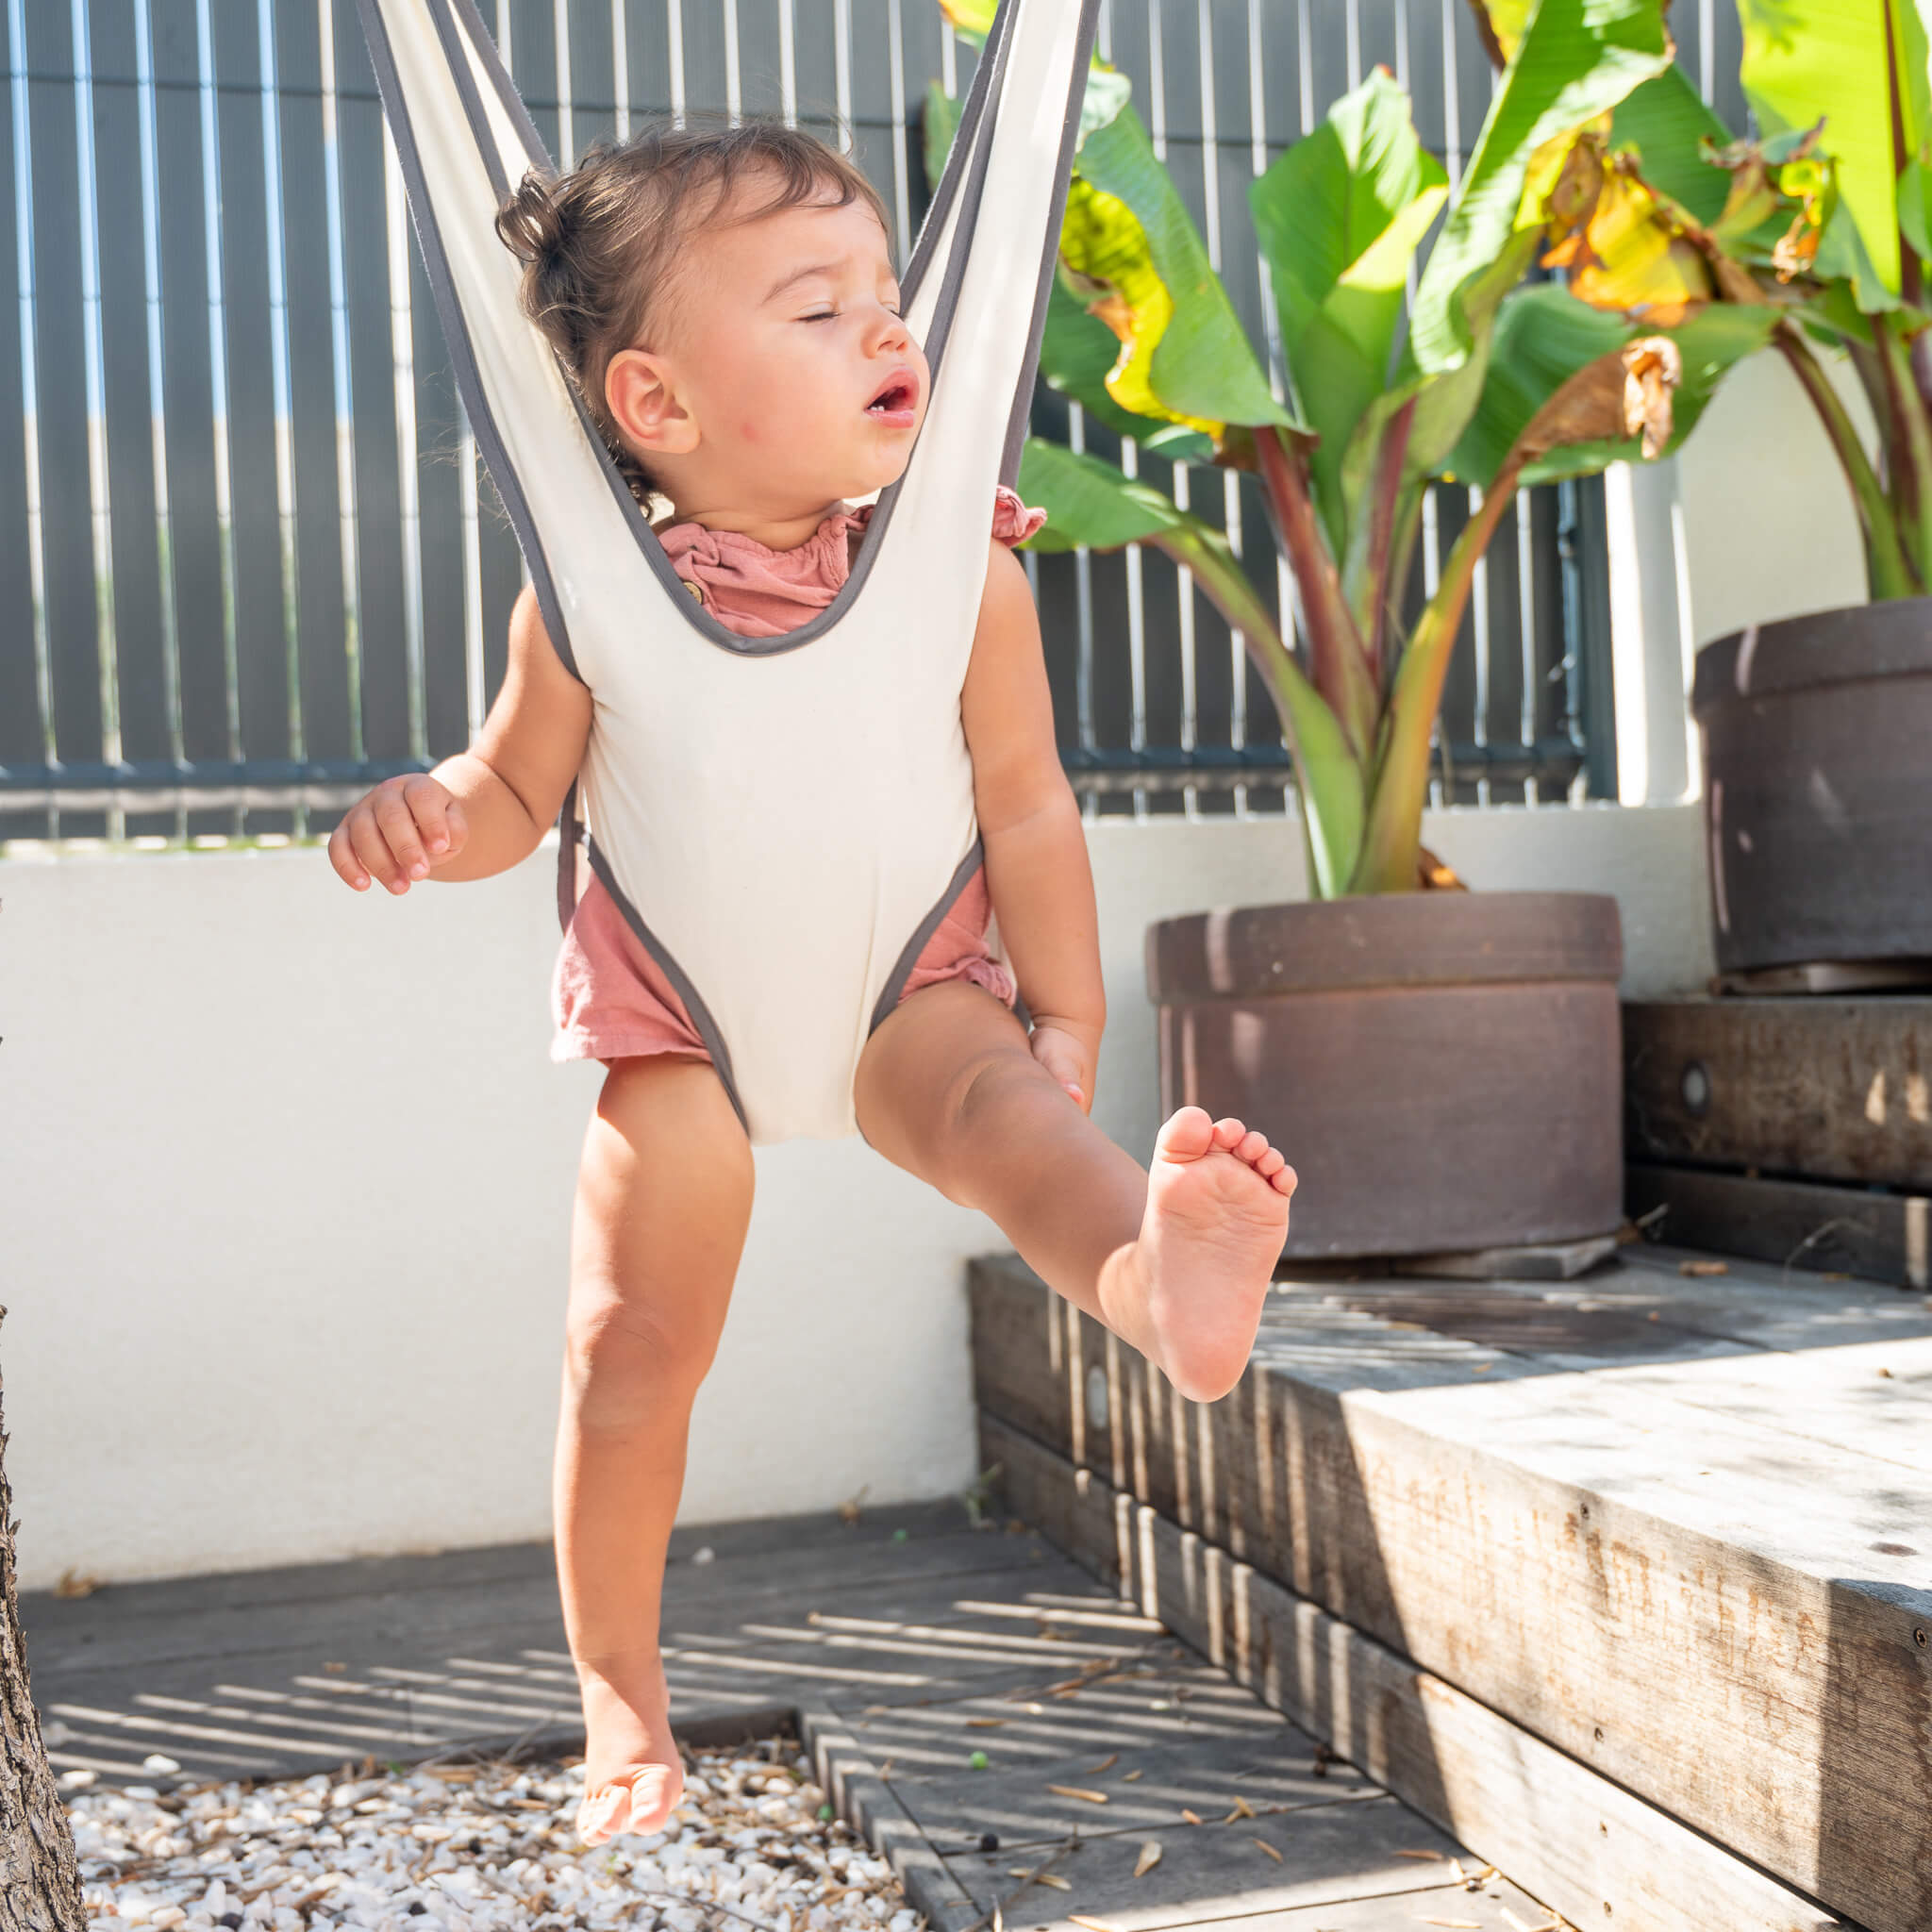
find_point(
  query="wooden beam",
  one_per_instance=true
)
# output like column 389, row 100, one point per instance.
column 1826, row 1088
column 1806, row 1225
column 1587, row 1848
column 1656, row 1565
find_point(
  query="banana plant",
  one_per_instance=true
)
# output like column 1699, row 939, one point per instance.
column 1483, row 377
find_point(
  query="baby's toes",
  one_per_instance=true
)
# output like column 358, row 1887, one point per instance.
column 1229, row 1134
column 1284, row 1180
column 653, row 1797
column 1271, row 1163
column 1251, row 1146
column 598, row 1815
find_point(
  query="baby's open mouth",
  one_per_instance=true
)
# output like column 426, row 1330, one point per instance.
column 897, row 398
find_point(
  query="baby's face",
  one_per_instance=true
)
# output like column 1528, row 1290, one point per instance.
column 788, row 351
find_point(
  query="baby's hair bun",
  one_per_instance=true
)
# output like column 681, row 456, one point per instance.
column 531, row 220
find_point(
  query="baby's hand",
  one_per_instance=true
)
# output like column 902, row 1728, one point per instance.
column 1067, row 1058
column 403, row 828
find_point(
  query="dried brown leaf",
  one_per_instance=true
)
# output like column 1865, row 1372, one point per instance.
column 1263, row 1845
column 1192, row 1817
column 1127, row 1777
column 1077, row 1792
column 1704, row 1267
column 1241, row 1810
column 1054, row 1879
column 1150, row 1856
column 1106, row 1763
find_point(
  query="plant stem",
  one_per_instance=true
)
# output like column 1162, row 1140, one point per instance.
column 1391, row 843
column 1337, row 663
column 1384, row 502
column 1889, row 571
column 1908, row 447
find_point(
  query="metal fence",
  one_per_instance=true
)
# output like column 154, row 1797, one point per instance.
column 249, row 564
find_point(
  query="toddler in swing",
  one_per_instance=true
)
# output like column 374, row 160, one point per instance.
column 724, row 306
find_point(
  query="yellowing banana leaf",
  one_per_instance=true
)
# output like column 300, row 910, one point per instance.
column 1807, row 61
column 1076, row 355
column 1340, row 217
column 1545, row 337
column 1502, row 23
column 1090, row 504
column 1576, row 60
column 1624, row 247
column 1183, row 347
column 1109, row 261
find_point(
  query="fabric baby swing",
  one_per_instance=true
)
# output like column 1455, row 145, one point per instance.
column 784, row 822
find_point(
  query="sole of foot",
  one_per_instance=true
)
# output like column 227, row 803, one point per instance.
column 1217, row 1214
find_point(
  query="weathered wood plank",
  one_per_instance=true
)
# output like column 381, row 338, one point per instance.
column 1828, row 1089
column 1578, row 1554
column 1577, row 1840
column 1796, row 1223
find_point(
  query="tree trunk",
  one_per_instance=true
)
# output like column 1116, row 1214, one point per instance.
column 40, row 1879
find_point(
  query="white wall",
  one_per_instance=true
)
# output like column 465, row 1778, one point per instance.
column 286, row 1194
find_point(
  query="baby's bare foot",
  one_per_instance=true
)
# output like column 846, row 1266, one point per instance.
column 1217, row 1214
column 633, row 1776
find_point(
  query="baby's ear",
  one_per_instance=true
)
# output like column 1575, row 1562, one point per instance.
column 645, row 405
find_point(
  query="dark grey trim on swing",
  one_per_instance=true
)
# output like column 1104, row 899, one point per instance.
column 680, row 983
column 457, row 334
column 909, row 958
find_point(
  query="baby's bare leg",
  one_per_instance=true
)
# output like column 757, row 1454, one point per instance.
column 663, row 1198
column 1177, row 1263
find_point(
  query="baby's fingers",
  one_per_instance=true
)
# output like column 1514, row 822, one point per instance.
column 439, row 819
column 398, row 826
column 366, row 842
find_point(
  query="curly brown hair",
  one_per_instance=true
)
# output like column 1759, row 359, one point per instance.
column 598, row 243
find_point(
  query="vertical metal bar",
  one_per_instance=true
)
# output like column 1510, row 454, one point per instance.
column 675, row 25
column 1402, row 62
column 156, row 399
column 902, row 192
column 1452, row 100
column 29, row 382
column 1707, row 50
column 1352, row 29
column 218, row 368
column 1432, row 579
column 1136, row 632
column 1157, row 81
column 949, row 56
column 1083, row 593
column 1210, row 141
column 1104, row 36
column 788, row 60
column 841, row 69
column 94, row 362
column 734, row 80
column 1305, row 47
column 279, row 357
column 1525, row 610
column 620, row 64
column 1479, row 620
column 566, row 120
column 403, row 354
column 344, row 387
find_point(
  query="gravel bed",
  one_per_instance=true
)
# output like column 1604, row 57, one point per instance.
column 478, row 1847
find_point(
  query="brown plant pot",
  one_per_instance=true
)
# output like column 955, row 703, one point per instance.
column 1442, row 1069
column 1818, row 787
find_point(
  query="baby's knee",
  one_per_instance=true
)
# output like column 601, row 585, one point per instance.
column 625, row 1362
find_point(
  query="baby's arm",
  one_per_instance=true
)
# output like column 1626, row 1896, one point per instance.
column 491, row 805
column 1036, row 850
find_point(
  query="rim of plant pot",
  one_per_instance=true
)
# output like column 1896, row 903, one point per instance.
column 1395, row 940
column 1840, row 645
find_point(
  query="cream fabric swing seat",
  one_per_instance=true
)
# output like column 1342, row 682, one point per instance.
column 816, row 783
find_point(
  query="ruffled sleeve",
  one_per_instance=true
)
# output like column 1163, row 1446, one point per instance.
column 1013, row 521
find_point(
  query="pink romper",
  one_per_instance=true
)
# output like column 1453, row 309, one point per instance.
column 607, row 995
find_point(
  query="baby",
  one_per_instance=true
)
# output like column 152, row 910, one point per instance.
column 725, row 307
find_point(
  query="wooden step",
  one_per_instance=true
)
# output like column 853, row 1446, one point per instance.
column 1680, row 1530
column 1824, row 1089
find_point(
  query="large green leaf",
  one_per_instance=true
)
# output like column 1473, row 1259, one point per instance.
column 1577, row 59
column 1807, row 61
column 1202, row 366
column 1666, row 120
column 1340, row 217
column 941, row 127
column 1545, row 336
column 1091, row 503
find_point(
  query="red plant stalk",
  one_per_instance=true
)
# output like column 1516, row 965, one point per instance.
column 1338, row 663
column 1390, row 461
